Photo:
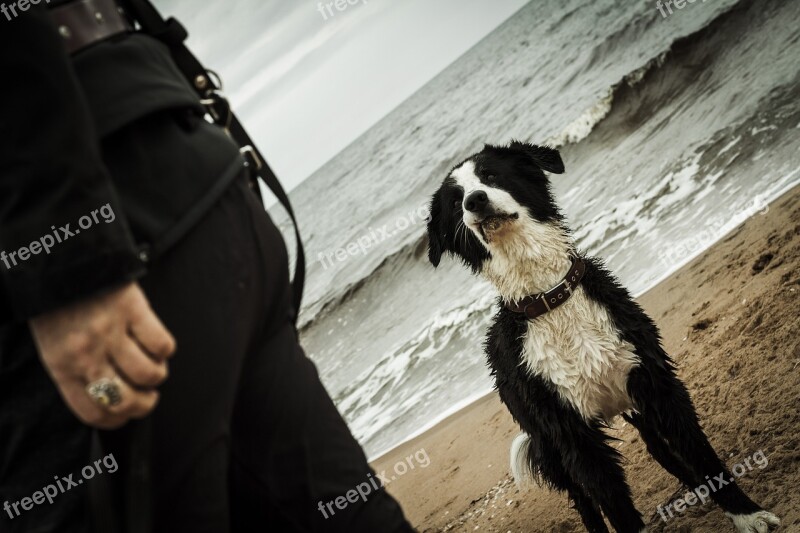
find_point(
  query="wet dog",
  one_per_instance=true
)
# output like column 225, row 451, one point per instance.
column 569, row 348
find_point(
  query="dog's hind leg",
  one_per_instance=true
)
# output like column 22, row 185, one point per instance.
column 667, row 410
column 538, row 460
column 659, row 449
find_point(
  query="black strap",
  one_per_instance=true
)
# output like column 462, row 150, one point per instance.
column 173, row 34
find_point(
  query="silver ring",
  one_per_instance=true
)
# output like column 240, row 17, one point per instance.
column 105, row 392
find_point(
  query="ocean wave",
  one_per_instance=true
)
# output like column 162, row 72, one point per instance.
column 406, row 378
column 409, row 251
column 581, row 127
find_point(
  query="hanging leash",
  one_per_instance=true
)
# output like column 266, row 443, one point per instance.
column 209, row 89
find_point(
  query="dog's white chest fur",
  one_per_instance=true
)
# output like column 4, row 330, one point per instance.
column 577, row 348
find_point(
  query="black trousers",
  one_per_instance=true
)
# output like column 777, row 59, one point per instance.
column 245, row 437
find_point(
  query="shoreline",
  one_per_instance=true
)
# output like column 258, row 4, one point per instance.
column 468, row 482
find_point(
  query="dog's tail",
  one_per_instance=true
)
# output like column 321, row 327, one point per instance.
column 521, row 467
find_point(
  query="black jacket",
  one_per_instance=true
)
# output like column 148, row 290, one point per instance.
column 110, row 142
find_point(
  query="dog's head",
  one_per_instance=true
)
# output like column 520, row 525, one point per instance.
column 497, row 204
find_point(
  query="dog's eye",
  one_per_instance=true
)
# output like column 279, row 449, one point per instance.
column 456, row 204
column 490, row 178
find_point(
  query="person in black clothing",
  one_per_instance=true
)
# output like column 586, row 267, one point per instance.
column 130, row 232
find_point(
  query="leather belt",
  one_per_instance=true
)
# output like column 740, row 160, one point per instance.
column 85, row 22
column 539, row 304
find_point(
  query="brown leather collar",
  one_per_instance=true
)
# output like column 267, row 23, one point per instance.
column 538, row 304
column 85, row 22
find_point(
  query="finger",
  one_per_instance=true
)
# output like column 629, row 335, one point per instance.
column 136, row 367
column 151, row 334
column 85, row 408
column 135, row 403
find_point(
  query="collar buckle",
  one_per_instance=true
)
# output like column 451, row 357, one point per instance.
column 544, row 299
column 567, row 287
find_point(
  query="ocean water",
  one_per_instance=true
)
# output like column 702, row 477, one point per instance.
column 673, row 131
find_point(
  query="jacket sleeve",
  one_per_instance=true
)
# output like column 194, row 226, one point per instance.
column 63, row 235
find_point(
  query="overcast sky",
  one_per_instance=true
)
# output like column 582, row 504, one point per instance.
column 307, row 83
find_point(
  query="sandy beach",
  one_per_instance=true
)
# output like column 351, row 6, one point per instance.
column 729, row 320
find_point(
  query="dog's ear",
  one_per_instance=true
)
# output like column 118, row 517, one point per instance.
column 435, row 241
column 546, row 158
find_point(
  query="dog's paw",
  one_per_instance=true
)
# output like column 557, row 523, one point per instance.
column 759, row 522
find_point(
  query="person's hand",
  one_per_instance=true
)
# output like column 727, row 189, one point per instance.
column 113, row 335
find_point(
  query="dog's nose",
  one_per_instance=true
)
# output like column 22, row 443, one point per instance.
column 476, row 201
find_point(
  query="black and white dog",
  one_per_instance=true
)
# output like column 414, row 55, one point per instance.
column 569, row 348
